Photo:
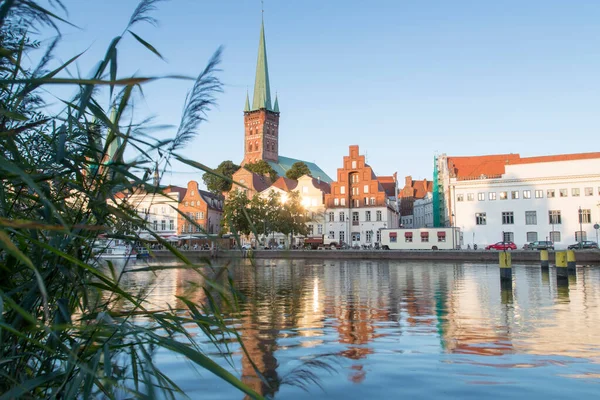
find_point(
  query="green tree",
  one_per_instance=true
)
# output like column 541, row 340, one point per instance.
column 216, row 182
column 297, row 170
column 262, row 167
column 236, row 213
column 293, row 217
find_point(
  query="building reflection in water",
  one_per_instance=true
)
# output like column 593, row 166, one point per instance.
column 295, row 309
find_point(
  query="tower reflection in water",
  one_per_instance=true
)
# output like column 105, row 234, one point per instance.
column 292, row 311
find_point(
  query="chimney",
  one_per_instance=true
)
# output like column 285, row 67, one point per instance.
column 408, row 181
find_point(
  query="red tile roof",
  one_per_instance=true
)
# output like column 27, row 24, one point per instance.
column 388, row 184
column 495, row 165
column 285, row 184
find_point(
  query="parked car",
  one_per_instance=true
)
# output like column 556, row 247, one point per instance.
column 502, row 246
column 586, row 244
column 541, row 245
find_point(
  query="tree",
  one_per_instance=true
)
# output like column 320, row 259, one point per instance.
column 297, row 170
column 236, row 212
column 217, row 184
column 262, row 167
column 293, row 217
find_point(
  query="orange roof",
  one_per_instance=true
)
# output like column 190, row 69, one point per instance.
column 285, row 184
column 388, row 184
column 494, row 165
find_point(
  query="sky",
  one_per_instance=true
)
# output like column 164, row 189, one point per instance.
column 403, row 79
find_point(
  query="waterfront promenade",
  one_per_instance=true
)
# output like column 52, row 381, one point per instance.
column 584, row 257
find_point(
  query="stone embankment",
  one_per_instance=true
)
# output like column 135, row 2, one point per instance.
column 518, row 256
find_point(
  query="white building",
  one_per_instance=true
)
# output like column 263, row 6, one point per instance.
column 555, row 198
column 422, row 212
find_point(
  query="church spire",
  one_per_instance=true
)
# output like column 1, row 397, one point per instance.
column 247, row 106
column 262, row 90
column 276, row 105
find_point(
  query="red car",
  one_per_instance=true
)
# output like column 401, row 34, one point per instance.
column 502, row 246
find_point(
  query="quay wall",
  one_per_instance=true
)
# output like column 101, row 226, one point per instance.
column 582, row 257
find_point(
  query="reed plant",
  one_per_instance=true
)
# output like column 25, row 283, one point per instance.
column 63, row 330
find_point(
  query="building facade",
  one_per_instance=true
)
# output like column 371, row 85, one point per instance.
column 506, row 197
column 358, row 207
column 205, row 209
column 423, row 212
column 412, row 191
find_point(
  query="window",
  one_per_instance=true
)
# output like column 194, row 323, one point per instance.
column 343, row 201
column 319, row 229
column 589, row 191
column 366, row 201
column 580, row 236
column 514, row 194
column 481, row 196
column 342, row 236
column 331, row 235
column 342, row 217
column 198, row 216
column 441, row 236
column 336, row 202
column 503, row 195
column 408, row 236
column 424, row 236
column 563, row 192
column 526, row 194
column 311, row 229
column 393, row 237
column 186, row 203
column 342, row 189
column 163, row 225
column 367, row 215
column 372, row 201
column 369, row 236
column 355, row 218
column 470, row 196
column 575, row 192
column 357, row 203
column 480, row 218
column 550, row 193
column 555, row 236
column 354, row 191
column 155, row 224
column 366, row 189
column 554, row 217
column 190, row 228
column 354, row 178
column 492, row 196
column 353, row 164
column 539, row 194
column 460, row 197
column 532, row 237
column 508, row 218
column 508, row 237
column 378, row 215
column 331, row 217
column 379, row 236
column 530, row 217
column 585, row 216
column 192, row 193
column 171, row 225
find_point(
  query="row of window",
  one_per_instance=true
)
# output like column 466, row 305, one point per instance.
column 553, row 236
column 355, row 236
column 355, row 189
column 355, row 216
column 515, row 194
column 408, row 237
column 158, row 210
column 163, row 225
column 311, row 229
column 197, row 215
column 554, row 217
column 356, row 203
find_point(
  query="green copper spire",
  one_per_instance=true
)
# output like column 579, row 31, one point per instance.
column 262, row 90
column 276, row 105
column 247, row 106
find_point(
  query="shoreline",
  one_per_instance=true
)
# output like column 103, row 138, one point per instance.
column 585, row 257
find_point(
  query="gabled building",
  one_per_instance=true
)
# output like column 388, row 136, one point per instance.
column 358, row 207
column 261, row 122
column 202, row 207
column 252, row 182
column 412, row 191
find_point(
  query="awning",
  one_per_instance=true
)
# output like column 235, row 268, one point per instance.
column 393, row 234
column 424, row 234
column 441, row 234
column 408, row 235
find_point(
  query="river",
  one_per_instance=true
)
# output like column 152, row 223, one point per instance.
column 380, row 329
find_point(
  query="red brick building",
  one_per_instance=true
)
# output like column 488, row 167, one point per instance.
column 204, row 208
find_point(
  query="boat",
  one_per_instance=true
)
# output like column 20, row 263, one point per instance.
column 111, row 248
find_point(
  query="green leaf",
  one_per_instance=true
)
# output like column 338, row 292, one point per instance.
column 26, row 387
column 147, row 45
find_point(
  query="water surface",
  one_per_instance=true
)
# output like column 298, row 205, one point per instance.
column 401, row 329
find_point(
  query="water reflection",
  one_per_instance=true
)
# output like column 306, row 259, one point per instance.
column 377, row 315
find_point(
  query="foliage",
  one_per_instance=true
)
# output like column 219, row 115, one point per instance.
column 64, row 329
column 219, row 184
column 262, row 167
column 297, row 170
column 236, row 217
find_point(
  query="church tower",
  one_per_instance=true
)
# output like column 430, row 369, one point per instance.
column 261, row 121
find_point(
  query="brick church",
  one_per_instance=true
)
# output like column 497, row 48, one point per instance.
column 261, row 123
